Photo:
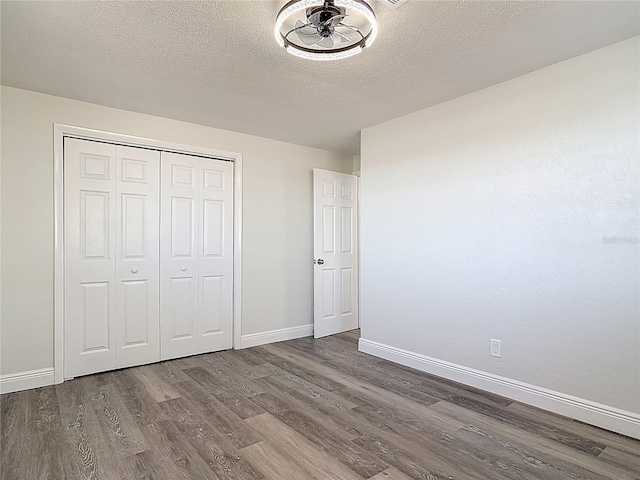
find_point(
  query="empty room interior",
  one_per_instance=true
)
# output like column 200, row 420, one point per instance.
column 319, row 239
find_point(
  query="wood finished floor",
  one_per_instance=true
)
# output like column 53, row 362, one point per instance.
column 303, row 409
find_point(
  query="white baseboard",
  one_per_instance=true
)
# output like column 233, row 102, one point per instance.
column 262, row 338
column 604, row 416
column 14, row 382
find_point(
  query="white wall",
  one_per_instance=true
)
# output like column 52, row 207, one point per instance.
column 277, row 189
column 356, row 163
column 484, row 217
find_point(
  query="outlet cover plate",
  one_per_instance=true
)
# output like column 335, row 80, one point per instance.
column 496, row 348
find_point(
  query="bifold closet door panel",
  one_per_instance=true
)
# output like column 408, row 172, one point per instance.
column 179, row 255
column 216, row 256
column 148, row 256
column 90, row 251
column 137, row 256
column 196, row 292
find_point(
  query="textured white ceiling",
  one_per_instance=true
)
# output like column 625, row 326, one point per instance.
column 216, row 63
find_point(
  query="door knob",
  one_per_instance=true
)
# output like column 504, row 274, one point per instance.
column 134, row 270
column 184, row 269
column 320, row 261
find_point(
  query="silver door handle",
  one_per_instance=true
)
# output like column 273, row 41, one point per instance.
column 319, row 261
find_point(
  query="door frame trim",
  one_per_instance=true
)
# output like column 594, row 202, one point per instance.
column 59, row 132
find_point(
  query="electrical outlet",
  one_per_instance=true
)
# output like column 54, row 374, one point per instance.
column 496, row 348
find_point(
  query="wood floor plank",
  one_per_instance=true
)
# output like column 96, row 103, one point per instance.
column 214, row 447
column 249, row 356
column 514, row 459
column 391, row 473
column 555, row 433
column 431, row 450
column 45, row 414
column 301, row 409
column 169, row 372
column 234, row 362
column 156, row 386
column 123, row 434
column 44, row 453
column 274, row 462
column 333, row 440
column 316, row 407
column 306, row 388
column 578, row 430
column 269, row 354
column 332, row 432
column 408, row 416
column 363, row 367
column 222, row 418
column 15, row 411
column 408, row 382
column 368, row 389
column 564, row 457
column 412, row 464
column 279, row 399
column 177, row 456
column 30, row 429
column 622, row 458
column 231, row 376
column 313, row 458
column 146, row 465
column 229, row 396
column 142, row 406
column 435, row 388
column 87, row 453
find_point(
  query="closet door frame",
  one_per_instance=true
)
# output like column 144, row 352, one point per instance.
column 60, row 131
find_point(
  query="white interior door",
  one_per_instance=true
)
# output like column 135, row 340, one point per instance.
column 137, row 256
column 90, row 250
column 335, row 248
column 196, row 255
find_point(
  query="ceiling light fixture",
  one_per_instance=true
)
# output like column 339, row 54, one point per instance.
column 325, row 29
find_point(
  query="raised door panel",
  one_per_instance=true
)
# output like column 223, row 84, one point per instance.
column 137, row 256
column 347, row 293
column 328, row 229
column 216, row 255
column 94, row 219
column 90, row 242
column 328, row 293
column 94, row 317
column 212, row 317
column 183, row 315
column 134, row 226
column 213, row 228
column 183, row 227
column 346, row 230
column 136, row 314
column 179, row 255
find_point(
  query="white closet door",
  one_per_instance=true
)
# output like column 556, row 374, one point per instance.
column 216, row 257
column 196, row 255
column 90, row 247
column 111, row 256
column 137, row 256
column 179, row 256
